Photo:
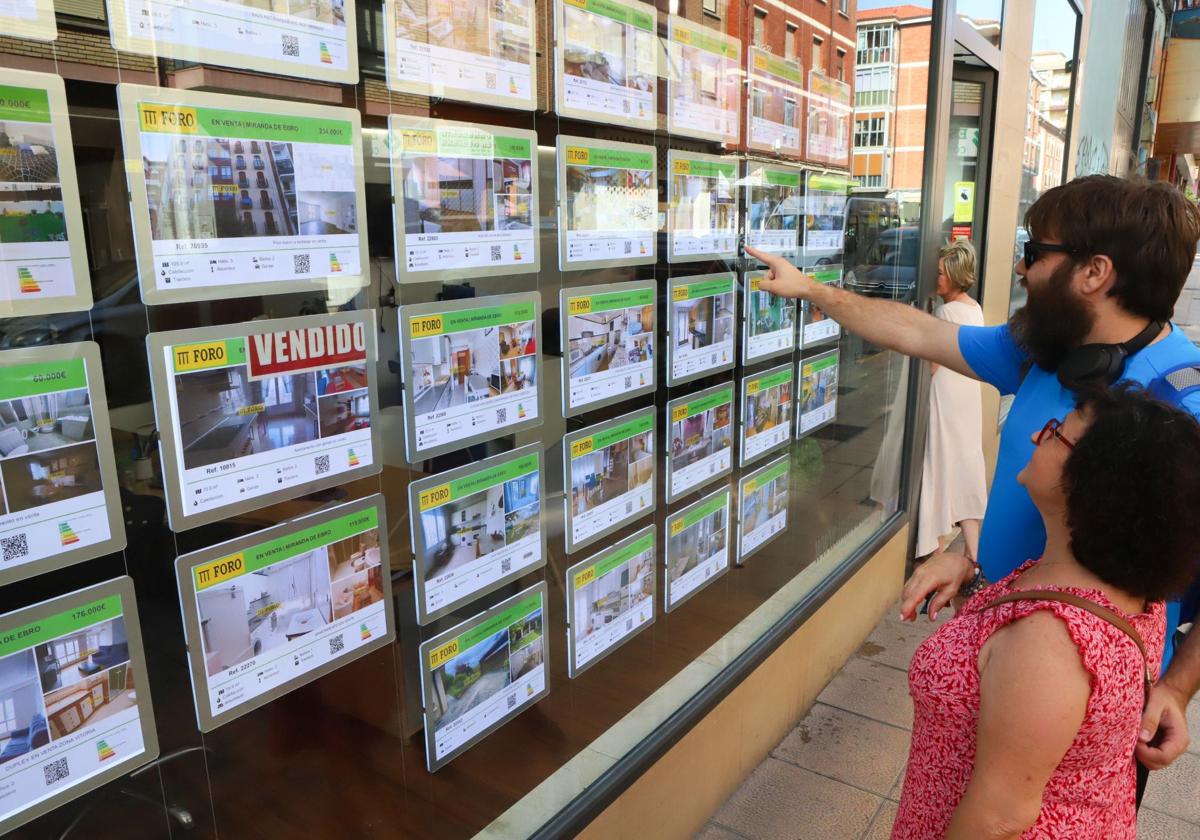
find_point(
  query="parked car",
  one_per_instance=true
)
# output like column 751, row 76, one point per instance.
column 889, row 268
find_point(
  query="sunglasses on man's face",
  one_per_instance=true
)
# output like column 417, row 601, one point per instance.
column 1035, row 250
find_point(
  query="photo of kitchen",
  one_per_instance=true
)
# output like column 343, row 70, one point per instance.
column 82, row 654
column 91, row 701
column 768, row 408
column 45, row 421
column 692, row 546
column 600, row 477
column 355, row 572
column 462, row 531
column 23, row 722
column 265, row 609
column 457, row 369
column 224, row 414
column 703, row 322
column 42, row 478
column 768, row 313
column 610, row 340
column 607, row 597
column 342, row 413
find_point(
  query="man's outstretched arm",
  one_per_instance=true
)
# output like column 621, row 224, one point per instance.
column 889, row 324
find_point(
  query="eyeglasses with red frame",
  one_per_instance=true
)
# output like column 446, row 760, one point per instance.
column 1053, row 428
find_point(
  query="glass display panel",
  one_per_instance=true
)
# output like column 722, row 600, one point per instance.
column 704, row 82
column 776, row 91
column 702, row 207
column 770, row 322
column 774, row 205
column 766, row 411
column 608, row 352
column 762, row 507
column 700, row 327
column 699, row 439
column 697, row 546
column 818, row 391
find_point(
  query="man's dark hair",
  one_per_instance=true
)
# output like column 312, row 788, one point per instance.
column 1148, row 229
column 1132, row 486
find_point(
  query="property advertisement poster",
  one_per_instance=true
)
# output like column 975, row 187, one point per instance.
column 257, row 413
column 609, row 350
column 700, row 331
column 776, row 89
column 32, row 19
column 699, row 439
column 774, row 206
column 770, row 321
column 763, row 497
column 766, row 412
column 825, row 201
column 610, row 599
column 465, row 199
column 269, row 612
column 310, row 39
column 471, row 371
column 475, row 529
column 704, row 82
column 59, row 502
column 818, row 391
column 610, row 467
column 234, row 196
column 480, row 52
column 697, row 546
column 608, row 203
column 816, row 327
column 829, row 120
column 43, row 259
column 482, row 673
column 76, row 699
column 606, row 61
column 702, row 213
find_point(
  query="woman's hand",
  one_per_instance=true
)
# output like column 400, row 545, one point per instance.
column 943, row 574
column 783, row 278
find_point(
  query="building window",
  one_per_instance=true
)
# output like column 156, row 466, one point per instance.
column 789, row 45
column 840, row 66
column 710, row 7
column 844, row 7
column 817, row 63
column 757, row 103
column 870, row 132
column 789, row 112
column 875, row 44
column 873, row 86
column 870, row 180
column 760, row 28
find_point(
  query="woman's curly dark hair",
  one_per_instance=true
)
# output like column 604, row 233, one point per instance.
column 1132, row 486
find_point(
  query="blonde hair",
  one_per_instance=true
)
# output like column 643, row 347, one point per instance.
column 958, row 259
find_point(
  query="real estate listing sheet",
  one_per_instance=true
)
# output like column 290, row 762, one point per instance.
column 271, row 611
column 816, row 327
column 767, row 400
column 776, row 90
column 608, row 344
column 818, row 391
column 697, row 546
column 700, row 329
column 699, row 439
column 476, row 528
column 704, row 82
column 702, row 211
column 75, row 697
column 770, row 322
column 606, row 61
column 763, row 506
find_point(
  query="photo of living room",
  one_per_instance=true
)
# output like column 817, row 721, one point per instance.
column 45, row 421
column 23, row 722
column 768, row 408
column 768, row 313
column 469, row 679
column 338, row 380
column 462, row 531
column 223, row 414
column 695, row 544
column 695, row 438
column 327, row 213
column 341, row 413
column 600, row 477
column 42, row 478
column 77, row 656
column 517, row 340
column 91, row 700
column 702, row 322
column 518, row 374
column 610, row 340
column 453, row 370
column 607, row 597
column 258, row 612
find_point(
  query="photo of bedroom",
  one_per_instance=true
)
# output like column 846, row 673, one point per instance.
column 77, row 656
column 42, row 478
column 600, row 477
column 258, row 612
column 768, row 408
column 342, row 413
column 610, row 340
column 695, row 438
column 462, row 531
column 605, row 598
column 692, row 546
column 703, row 322
column 223, row 414
column 90, row 701
column 768, row 313
column 23, row 724
column 453, row 370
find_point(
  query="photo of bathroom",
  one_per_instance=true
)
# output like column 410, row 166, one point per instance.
column 457, row 369
column 76, row 656
column 600, row 477
column 342, row 413
column 610, row 340
column 695, row 438
column 23, row 725
column 703, row 322
column 607, row 597
column 265, row 609
column 355, row 573
column 46, row 421
column 91, row 701
column 695, row 544
column 223, row 414
column 767, row 409
column 768, row 313
column 42, row 478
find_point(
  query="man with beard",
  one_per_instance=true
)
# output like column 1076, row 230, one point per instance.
column 1107, row 260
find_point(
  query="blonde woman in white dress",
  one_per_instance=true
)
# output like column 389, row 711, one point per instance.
column 954, row 486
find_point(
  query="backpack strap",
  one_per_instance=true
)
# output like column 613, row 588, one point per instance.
column 1095, row 609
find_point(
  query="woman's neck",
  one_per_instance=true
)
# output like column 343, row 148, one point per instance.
column 953, row 295
column 1059, row 567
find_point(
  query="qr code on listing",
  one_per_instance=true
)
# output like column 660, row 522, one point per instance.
column 336, row 643
column 489, row 81
column 512, row 700
column 628, row 508
column 290, row 46
column 321, row 463
column 14, row 548
column 301, row 263
column 497, row 253
column 628, row 247
column 56, row 771
column 501, row 415
column 506, row 566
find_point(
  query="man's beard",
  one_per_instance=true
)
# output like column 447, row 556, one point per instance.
column 1053, row 320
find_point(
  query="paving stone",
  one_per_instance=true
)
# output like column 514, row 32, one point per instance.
column 1158, row 826
column 713, row 831
column 881, row 826
column 871, row 690
column 893, row 643
column 1175, row 790
column 862, row 752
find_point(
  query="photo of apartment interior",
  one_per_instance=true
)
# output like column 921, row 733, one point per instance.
column 818, row 389
column 342, row 413
column 43, row 422
column 223, row 414
column 766, row 502
column 91, row 701
column 768, row 409
column 525, row 645
column 522, row 514
column 22, row 713
column 469, row 679
column 517, row 340
column 692, row 546
column 603, row 341
column 356, row 573
column 604, row 599
column 704, row 206
column 339, row 380
column 264, row 610
column 453, row 370
column 594, row 47
column 327, row 213
column 774, row 100
column 608, row 200
column 518, row 374
column 514, row 199
column 76, row 656
column 55, row 475
column 448, row 195
column 775, row 208
column 703, row 322
column 696, row 438
column 701, row 76
column 323, row 11
column 600, row 477
column 462, row 531
column 768, row 313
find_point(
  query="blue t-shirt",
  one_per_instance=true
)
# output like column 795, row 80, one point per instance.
column 1012, row 527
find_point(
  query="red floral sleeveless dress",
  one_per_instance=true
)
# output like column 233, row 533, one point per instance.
column 1091, row 793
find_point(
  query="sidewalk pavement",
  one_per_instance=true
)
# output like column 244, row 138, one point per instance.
column 837, row 776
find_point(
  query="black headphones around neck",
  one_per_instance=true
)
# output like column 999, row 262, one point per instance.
column 1102, row 363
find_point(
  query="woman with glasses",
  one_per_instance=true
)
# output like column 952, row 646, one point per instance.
column 1028, row 703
